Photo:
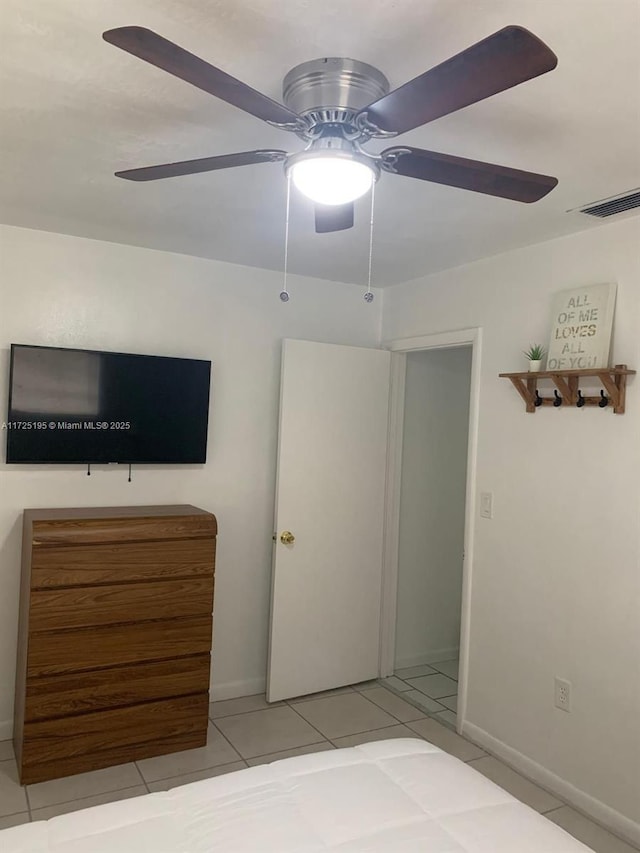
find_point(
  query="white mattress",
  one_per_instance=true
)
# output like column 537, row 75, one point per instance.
column 395, row 796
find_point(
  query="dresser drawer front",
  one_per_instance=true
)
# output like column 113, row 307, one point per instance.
column 62, row 695
column 79, row 531
column 54, row 748
column 114, row 645
column 133, row 561
column 54, row 609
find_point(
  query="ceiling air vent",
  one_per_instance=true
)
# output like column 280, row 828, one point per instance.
column 611, row 206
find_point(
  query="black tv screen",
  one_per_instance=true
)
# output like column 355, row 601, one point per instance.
column 69, row 405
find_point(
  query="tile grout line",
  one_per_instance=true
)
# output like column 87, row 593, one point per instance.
column 413, row 687
column 202, row 770
column 311, row 697
column 391, row 714
column 278, row 704
column 415, row 704
column 24, row 787
column 81, row 799
column 324, row 737
column 280, row 751
column 144, row 781
column 26, row 793
column 13, row 814
column 565, row 804
column 368, row 732
column 437, row 701
column 291, row 703
column 555, row 808
column 428, row 674
column 225, row 738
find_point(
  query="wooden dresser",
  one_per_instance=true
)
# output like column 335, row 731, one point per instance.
column 114, row 637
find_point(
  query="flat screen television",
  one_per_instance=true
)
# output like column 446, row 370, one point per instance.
column 70, row 405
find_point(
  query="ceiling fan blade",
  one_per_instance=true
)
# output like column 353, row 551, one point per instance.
column 147, row 45
column 205, row 164
column 502, row 60
column 466, row 174
column 333, row 217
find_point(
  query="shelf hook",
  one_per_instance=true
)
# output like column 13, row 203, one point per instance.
column 581, row 401
column 558, row 399
column 604, row 400
column 538, row 399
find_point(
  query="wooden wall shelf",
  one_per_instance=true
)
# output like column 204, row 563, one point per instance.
column 567, row 391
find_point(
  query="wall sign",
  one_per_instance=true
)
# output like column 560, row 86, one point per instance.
column 581, row 325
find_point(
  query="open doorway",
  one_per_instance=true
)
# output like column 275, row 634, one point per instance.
column 432, row 528
column 429, row 532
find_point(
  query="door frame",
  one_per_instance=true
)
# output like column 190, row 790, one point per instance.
column 399, row 348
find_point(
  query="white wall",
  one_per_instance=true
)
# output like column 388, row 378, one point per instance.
column 65, row 291
column 432, row 505
column 556, row 575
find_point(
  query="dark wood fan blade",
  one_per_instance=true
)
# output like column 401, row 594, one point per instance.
column 333, row 217
column 205, row 164
column 472, row 175
column 147, row 45
column 502, row 60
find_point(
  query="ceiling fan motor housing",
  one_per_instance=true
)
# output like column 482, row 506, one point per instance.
column 332, row 90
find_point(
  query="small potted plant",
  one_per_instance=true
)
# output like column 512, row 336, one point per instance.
column 535, row 354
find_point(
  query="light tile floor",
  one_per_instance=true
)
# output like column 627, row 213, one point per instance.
column 248, row 731
column 431, row 688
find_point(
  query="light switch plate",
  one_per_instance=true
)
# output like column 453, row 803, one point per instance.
column 486, row 504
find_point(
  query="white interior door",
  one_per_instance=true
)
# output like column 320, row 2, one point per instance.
column 326, row 589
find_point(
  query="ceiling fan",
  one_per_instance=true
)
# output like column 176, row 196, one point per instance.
column 337, row 105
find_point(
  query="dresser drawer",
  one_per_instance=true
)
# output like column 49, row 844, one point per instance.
column 114, row 646
column 74, row 650
column 54, row 609
column 54, row 748
column 132, row 561
column 61, row 695
column 84, row 531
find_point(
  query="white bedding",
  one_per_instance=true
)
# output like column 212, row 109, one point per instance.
column 395, row 796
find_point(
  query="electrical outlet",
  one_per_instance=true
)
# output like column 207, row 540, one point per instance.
column 563, row 694
column 486, row 505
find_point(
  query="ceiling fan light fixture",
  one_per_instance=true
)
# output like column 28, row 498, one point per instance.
column 331, row 178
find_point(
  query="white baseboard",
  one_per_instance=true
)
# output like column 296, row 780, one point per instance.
column 234, row 689
column 6, row 729
column 583, row 802
column 428, row 657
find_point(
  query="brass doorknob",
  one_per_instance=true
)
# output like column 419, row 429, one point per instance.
column 287, row 538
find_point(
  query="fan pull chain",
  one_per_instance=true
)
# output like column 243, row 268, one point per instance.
column 368, row 297
column 284, row 293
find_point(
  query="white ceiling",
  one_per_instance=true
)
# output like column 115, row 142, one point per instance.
column 75, row 109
